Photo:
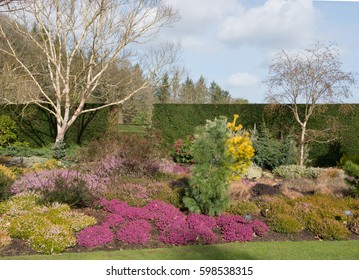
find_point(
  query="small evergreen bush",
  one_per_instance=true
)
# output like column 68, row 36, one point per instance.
column 352, row 171
column 208, row 193
column 271, row 152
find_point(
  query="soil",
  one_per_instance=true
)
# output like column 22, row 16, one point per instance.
column 19, row 247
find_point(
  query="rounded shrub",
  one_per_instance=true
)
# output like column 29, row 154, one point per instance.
column 5, row 238
column 285, row 223
column 135, row 232
column 327, row 228
column 243, row 208
column 48, row 229
column 7, row 177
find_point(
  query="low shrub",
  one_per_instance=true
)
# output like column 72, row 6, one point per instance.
column 5, row 238
column 327, row 228
column 47, row 165
column 95, row 236
column 139, row 194
column 296, row 171
column 135, row 232
column 321, row 214
column 52, row 239
column 235, row 228
column 243, row 208
column 182, row 150
column 64, row 186
column 7, row 177
column 48, row 229
column 124, row 144
column 352, row 171
column 285, row 223
column 133, row 225
column 273, row 205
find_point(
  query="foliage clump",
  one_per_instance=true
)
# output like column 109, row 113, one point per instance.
column 352, row 170
column 322, row 215
column 7, row 177
column 134, row 225
column 48, row 229
column 182, row 150
column 64, row 186
column 271, row 152
column 296, row 171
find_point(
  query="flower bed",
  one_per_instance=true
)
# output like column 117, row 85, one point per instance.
column 134, row 225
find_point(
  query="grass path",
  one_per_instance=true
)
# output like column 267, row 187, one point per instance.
column 307, row 250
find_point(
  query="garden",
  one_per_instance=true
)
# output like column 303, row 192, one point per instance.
column 124, row 191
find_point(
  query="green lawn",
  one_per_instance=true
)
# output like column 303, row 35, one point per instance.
column 307, row 250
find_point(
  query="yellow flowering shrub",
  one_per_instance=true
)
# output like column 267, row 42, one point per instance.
column 7, row 172
column 47, row 165
column 239, row 147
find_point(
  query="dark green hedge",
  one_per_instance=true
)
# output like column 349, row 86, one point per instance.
column 38, row 127
column 179, row 120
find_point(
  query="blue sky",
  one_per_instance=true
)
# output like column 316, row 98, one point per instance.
column 233, row 41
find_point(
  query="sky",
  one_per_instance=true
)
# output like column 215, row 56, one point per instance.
column 232, row 42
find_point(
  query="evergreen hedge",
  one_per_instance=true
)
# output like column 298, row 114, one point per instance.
column 179, row 120
column 38, row 127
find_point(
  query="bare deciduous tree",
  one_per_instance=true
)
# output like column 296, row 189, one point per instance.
column 80, row 40
column 310, row 78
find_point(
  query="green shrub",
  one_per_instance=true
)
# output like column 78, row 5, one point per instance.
column 5, row 238
column 273, row 205
column 7, row 177
column 352, row 171
column 47, row 165
column 8, row 132
column 73, row 191
column 271, row 152
column 285, row 223
column 327, row 228
column 296, row 171
column 52, row 239
column 48, row 229
column 354, row 158
column 182, row 150
column 209, row 187
column 243, row 208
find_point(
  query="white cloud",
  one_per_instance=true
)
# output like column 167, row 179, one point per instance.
column 273, row 24
column 241, row 80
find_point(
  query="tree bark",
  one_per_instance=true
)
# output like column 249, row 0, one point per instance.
column 302, row 145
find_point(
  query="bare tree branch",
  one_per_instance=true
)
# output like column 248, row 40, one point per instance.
column 80, row 40
column 309, row 78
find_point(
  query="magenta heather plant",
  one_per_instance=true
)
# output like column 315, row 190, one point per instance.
column 259, row 228
column 124, row 210
column 177, row 236
column 95, row 236
column 235, row 228
column 201, row 226
column 135, row 232
column 237, row 232
column 174, row 226
column 113, row 220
